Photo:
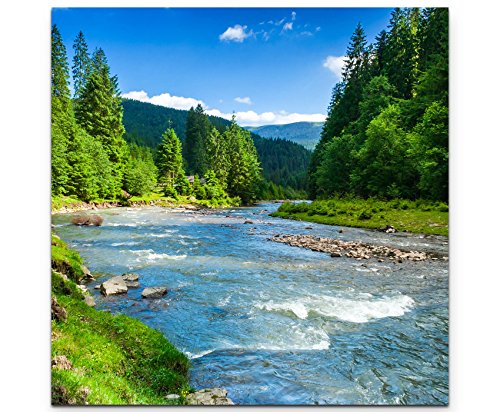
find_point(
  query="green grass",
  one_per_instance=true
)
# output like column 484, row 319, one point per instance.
column 412, row 216
column 116, row 360
column 58, row 202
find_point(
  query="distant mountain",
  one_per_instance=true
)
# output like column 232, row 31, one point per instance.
column 283, row 162
column 305, row 133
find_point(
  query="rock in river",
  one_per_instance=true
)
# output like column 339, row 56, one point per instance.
column 131, row 280
column 215, row 396
column 114, row 286
column 154, row 293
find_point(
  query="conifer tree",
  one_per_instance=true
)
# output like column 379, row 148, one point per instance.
column 217, row 156
column 61, row 114
column 197, row 129
column 99, row 113
column 169, row 158
column 81, row 65
column 244, row 170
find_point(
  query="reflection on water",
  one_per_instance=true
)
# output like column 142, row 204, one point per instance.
column 275, row 324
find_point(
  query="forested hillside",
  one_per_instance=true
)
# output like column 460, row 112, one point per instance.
column 306, row 134
column 386, row 134
column 284, row 163
column 91, row 160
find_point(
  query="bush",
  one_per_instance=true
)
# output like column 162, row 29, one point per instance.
column 365, row 215
column 170, row 192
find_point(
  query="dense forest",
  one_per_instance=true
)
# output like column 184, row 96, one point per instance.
column 284, row 163
column 91, row 159
column 386, row 134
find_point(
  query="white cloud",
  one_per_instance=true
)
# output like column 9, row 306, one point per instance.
column 164, row 99
column 237, row 33
column 288, row 26
column 247, row 118
column 294, row 15
column 335, row 64
column 244, row 100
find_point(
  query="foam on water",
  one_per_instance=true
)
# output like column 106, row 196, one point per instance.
column 360, row 309
column 124, row 244
column 151, row 255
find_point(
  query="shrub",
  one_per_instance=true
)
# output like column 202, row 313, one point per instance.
column 365, row 215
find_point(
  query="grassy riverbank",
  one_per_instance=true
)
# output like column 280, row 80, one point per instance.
column 102, row 359
column 70, row 203
column 405, row 215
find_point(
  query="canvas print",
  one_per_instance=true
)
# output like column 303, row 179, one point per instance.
column 249, row 206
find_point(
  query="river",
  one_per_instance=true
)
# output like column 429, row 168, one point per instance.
column 275, row 324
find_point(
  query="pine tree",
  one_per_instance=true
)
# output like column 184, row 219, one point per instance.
column 244, row 171
column 169, row 158
column 402, row 51
column 61, row 114
column 99, row 113
column 81, row 65
column 197, row 129
column 217, row 156
column 59, row 74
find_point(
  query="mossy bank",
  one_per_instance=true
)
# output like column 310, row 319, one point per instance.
column 418, row 216
column 102, row 359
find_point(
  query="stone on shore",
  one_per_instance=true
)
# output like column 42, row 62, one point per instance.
column 154, row 292
column 61, row 362
column 57, row 311
column 173, row 397
column 215, row 396
column 114, row 286
column 89, row 300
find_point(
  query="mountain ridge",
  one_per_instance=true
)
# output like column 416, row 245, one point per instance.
column 306, row 134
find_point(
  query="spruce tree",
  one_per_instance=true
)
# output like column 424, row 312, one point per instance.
column 197, row 129
column 169, row 158
column 61, row 114
column 244, row 170
column 99, row 113
column 81, row 65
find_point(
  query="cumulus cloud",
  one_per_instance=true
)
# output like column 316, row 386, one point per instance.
column 164, row 99
column 294, row 15
column 244, row 118
column 243, row 100
column 288, row 26
column 236, row 33
column 335, row 64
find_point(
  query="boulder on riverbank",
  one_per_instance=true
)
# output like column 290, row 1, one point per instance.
column 215, row 396
column 154, row 292
column 114, row 286
column 57, row 311
column 87, row 220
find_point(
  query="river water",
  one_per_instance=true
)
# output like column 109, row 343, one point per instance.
column 275, row 324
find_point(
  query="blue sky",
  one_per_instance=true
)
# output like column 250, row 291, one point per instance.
column 268, row 65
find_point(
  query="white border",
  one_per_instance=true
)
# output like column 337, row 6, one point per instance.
column 25, row 201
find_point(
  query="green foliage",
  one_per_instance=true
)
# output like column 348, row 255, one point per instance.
column 197, row 131
column 283, row 162
column 140, row 176
column 169, row 158
column 182, row 186
column 244, row 171
column 386, row 133
column 99, row 113
column 198, row 189
column 421, row 216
